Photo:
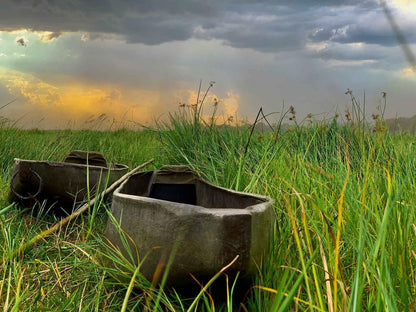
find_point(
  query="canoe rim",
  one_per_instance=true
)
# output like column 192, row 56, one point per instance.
column 111, row 166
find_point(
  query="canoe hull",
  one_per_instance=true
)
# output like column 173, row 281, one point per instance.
column 203, row 232
column 61, row 182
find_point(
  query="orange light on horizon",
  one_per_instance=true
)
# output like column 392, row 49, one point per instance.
column 81, row 104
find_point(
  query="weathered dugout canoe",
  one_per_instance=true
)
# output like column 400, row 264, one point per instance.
column 204, row 227
column 65, row 183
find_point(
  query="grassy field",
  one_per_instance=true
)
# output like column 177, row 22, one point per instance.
column 345, row 218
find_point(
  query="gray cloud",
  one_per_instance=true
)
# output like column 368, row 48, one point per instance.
column 153, row 30
column 263, row 27
column 148, row 22
column 357, row 24
column 268, row 26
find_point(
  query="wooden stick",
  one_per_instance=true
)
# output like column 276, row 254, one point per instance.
column 77, row 212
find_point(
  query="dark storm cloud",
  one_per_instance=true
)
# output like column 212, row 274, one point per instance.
column 369, row 27
column 116, row 7
column 264, row 27
column 288, row 25
column 267, row 26
column 148, row 22
column 151, row 30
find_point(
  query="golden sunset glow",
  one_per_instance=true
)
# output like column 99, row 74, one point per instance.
column 82, row 102
column 75, row 101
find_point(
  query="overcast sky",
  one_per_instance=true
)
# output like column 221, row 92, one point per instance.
column 68, row 62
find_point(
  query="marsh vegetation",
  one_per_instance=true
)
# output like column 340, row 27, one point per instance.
column 344, row 235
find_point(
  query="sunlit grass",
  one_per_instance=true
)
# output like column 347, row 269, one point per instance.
column 344, row 237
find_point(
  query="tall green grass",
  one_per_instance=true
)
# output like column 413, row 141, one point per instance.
column 345, row 220
column 344, row 237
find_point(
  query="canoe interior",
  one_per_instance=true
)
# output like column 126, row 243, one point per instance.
column 198, row 193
